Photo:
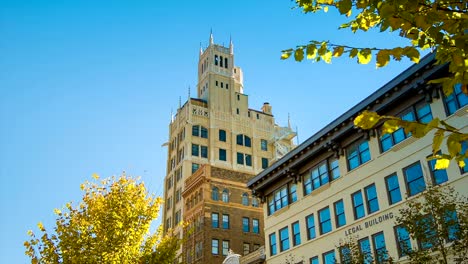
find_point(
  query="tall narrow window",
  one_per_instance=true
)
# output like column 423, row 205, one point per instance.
column 225, row 247
column 393, row 189
column 380, row 251
column 196, row 130
column 215, row 246
column 414, row 179
column 264, row 163
column 254, row 201
column 314, row 260
column 371, row 199
column 325, row 220
column 225, row 221
column 340, row 217
column 240, row 158
column 222, row 154
column 204, row 132
column 215, row 220
column 255, row 226
column 296, row 230
column 438, row 176
column 204, row 151
column 292, row 192
column 245, row 224
column 263, row 144
column 216, row 59
column 222, row 135
column 221, row 61
column 358, row 154
column 214, row 193
column 272, row 244
column 195, row 150
column 225, row 63
column 364, row 247
column 195, row 167
column 225, row 196
column 284, row 239
column 403, row 240
column 248, row 160
column 245, row 199
column 358, row 205
column 329, row 257
column 456, row 100
column 310, row 222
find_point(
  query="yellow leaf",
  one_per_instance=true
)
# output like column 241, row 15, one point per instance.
column 40, row 226
column 338, row 51
column 412, row 53
column 367, row 120
column 442, row 164
column 285, row 55
column 311, row 51
column 364, row 56
column 325, row 9
column 390, row 126
column 327, row 56
column 461, row 163
column 95, row 176
column 57, row 211
column 353, row 53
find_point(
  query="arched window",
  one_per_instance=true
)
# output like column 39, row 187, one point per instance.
column 245, row 199
column 254, row 201
column 214, row 193
column 225, row 196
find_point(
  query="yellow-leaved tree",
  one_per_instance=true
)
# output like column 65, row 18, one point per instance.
column 439, row 25
column 110, row 225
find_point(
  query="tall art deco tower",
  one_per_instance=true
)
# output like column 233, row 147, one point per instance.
column 218, row 129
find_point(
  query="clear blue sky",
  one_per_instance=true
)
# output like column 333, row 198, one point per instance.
column 88, row 87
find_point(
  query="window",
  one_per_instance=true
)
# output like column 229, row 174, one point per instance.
column 216, row 83
column 310, row 222
column 371, row 199
column 245, row 199
column 364, row 247
column 284, row 239
column 216, row 60
column 254, row 201
column 393, row 189
column 215, row 246
column 237, row 110
column 430, row 236
column 215, row 220
column 340, row 218
column 403, row 240
column 222, row 154
column 245, row 224
column 314, row 260
column 225, row 63
column 453, row 226
column 414, row 179
column 264, row 163
column 178, row 195
column 170, row 182
column 225, row 196
column 214, row 193
column 246, row 248
column 325, row 220
column 197, row 150
column 357, row 154
column 248, row 160
column 358, row 205
column 195, row 167
column 222, row 135
column 204, row 151
column 225, row 221
column 244, row 159
column 240, row 158
column 221, row 61
column 278, row 199
column 292, row 192
column 329, row 257
column 177, row 218
column 272, row 244
column 222, row 85
column 199, row 131
column 456, row 100
column 345, row 255
column 380, row 251
column 321, row 174
column 243, row 140
column 296, row 230
column 225, row 247
column 255, row 226
column 227, row 86
column 263, row 144
column 438, row 176
column 419, row 112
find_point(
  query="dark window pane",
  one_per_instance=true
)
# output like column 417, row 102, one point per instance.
column 414, row 179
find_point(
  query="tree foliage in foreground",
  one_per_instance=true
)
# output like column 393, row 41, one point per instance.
column 439, row 25
column 110, row 225
column 438, row 220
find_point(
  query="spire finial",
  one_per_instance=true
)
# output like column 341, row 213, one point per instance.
column 231, row 46
column 201, row 49
column 189, row 92
column 289, row 121
column 211, row 37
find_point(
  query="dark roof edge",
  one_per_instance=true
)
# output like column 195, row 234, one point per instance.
column 426, row 60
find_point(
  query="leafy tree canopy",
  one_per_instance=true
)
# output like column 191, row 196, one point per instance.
column 110, row 225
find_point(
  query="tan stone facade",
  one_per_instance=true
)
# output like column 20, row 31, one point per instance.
column 222, row 215
column 219, row 129
column 343, row 182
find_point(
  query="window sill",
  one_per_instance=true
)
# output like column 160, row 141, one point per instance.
column 403, row 144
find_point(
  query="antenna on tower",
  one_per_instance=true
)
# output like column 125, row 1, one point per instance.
column 172, row 116
column 211, row 36
column 289, row 121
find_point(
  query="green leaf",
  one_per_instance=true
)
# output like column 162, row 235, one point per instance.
column 285, row 55
column 299, row 54
column 383, row 58
column 338, row 51
column 448, row 127
column 391, row 126
column 453, row 144
column 344, row 6
column 327, row 56
column 311, row 51
column 437, row 141
column 412, row 53
column 353, row 53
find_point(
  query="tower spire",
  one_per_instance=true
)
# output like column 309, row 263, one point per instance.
column 211, row 37
column 231, row 46
column 189, row 93
column 201, row 49
column 289, row 121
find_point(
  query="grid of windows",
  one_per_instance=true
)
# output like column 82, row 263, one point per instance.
column 414, row 179
column 199, row 151
column 324, row 220
column 419, row 112
column 278, row 199
column 215, row 220
column 358, row 205
column 393, row 189
column 371, row 199
column 243, row 140
column 245, row 224
column 284, row 239
column 273, row 244
column 456, row 100
column 222, row 154
column 222, row 135
column 296, row 231
column 225, row 221
column 310, row 223
column 438, row 176
column 321, row 174
column 380, row 250
column 255, row 226
column 357, row 154
column 340, row 217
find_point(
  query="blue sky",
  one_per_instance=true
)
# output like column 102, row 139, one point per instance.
column 88, row 87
